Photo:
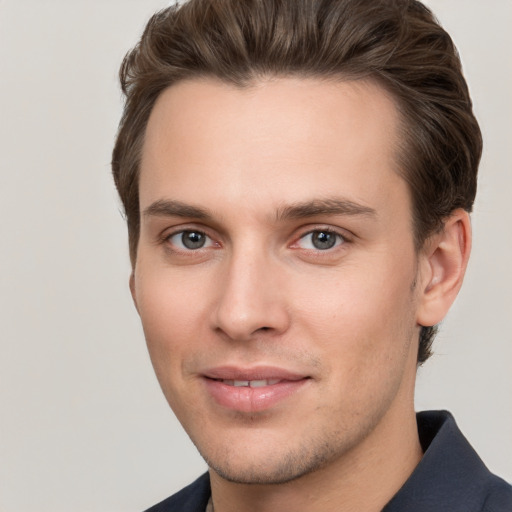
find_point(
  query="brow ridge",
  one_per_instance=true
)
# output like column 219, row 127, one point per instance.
column 330, row 206
column 173, row 208
column 298, row 210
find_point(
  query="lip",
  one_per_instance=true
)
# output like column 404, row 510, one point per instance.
column 252, row 399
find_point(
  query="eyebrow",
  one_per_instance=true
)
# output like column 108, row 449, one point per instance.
column 300, row 210
column 332, row 206
column 172, row 208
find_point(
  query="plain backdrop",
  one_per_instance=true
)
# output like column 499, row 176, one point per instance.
column 83, row 424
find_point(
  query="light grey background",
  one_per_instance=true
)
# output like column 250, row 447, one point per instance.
column 83, row 425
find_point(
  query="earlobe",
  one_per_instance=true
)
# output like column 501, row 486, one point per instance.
column 444, row 261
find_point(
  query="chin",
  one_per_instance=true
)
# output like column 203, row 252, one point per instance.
column 267, row 467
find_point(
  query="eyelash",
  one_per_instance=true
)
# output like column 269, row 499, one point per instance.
column 168, row 240
column 341, row 239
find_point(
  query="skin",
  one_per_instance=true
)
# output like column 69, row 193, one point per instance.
column 260, row 293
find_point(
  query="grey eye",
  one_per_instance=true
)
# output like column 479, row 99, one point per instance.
column 190, row 240
column 193, row 239
column 321, row 240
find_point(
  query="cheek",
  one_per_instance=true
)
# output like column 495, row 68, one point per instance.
column 173, row 314
column 362, row 329
column 359, row 314
column 168, row 300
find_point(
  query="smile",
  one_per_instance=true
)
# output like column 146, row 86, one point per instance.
column 252, row 390
column 250, row 383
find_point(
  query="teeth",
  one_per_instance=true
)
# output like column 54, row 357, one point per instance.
column 261, row 383
column 251, row 383
column 258, row 383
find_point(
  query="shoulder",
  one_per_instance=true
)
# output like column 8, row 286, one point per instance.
column 499, row 497
column 192, row 498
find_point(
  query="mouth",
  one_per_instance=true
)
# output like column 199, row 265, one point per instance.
column 253, row 390
column 249, row 383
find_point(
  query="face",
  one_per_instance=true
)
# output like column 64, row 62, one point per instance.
column 275, row 274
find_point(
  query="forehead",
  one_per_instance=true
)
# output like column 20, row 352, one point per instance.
column 281, row 139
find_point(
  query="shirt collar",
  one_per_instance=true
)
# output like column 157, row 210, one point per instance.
column 450, row 476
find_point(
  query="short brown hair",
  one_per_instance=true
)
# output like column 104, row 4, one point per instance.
column 397, row 43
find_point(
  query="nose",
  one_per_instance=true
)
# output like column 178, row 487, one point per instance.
column 251, row 298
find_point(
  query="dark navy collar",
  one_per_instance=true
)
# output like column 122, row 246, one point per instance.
column 450, row 477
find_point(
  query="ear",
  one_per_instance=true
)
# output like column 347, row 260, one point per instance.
column 443, row 264
column 132, row 290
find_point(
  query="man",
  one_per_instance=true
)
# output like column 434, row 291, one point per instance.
column 297, row 177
